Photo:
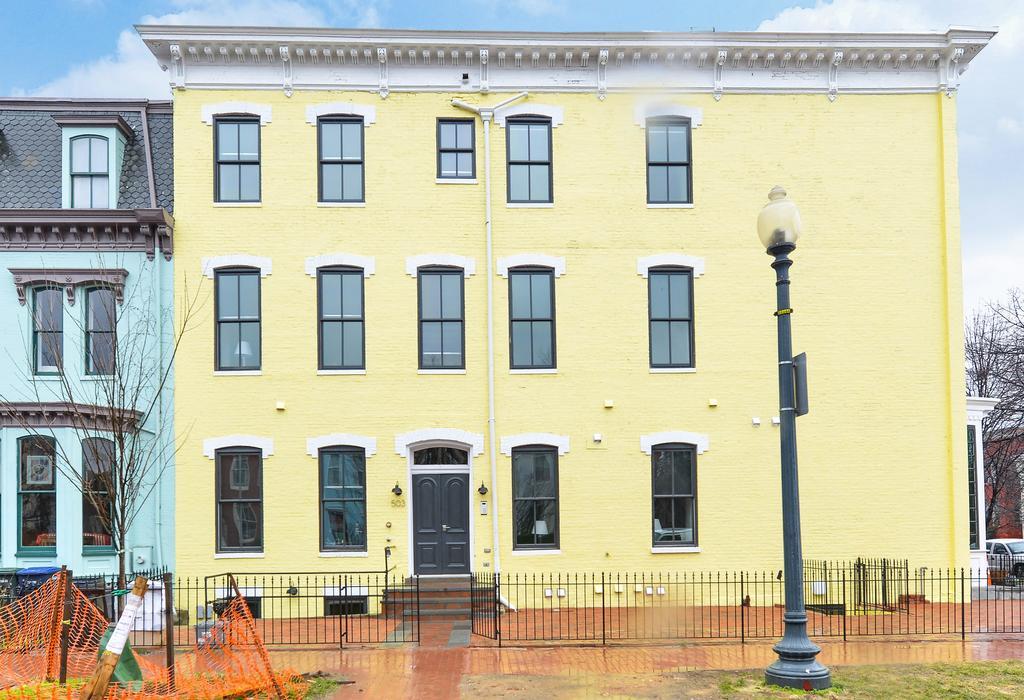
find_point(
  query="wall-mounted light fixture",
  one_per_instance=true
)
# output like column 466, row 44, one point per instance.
column 397, row 490
column 482, row 490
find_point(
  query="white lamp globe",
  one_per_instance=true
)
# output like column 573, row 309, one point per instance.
column 779, row 220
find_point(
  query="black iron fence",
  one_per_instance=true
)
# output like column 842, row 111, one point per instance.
column 852, row 599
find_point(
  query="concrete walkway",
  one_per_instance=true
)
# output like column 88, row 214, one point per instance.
column 437, row 668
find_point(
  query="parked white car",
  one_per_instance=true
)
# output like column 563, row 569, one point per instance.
column 1006, row 561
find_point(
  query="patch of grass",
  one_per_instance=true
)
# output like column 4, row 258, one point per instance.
column 321, row 687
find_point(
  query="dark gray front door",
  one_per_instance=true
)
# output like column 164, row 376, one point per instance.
column 440, row 507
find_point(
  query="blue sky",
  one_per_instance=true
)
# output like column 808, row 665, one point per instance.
column 87, row 48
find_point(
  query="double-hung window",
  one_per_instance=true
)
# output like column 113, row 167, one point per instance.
column 37, row 494
column 237, row 147
column 442, row 323
column 674, row 491
column 671, row 317
column 529, row 160
column 97, row 493
column 100, row 331
column 90, row 173
column 535, row 497
column 239, row 500
column 532, row 318
column 48, row 330
column 341, row 318
column 342, row 499
column 340, row 146
column 455, row 156
column 669, row 178
column 238, row 319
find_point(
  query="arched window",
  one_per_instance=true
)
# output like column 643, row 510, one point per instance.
column 442, row 318
column 239, row 500
column 529, row 159
column 100, row 329
column 535, row 497
column 340, row 302
column 531, row 312
column 37, row 494
column 97, row 492
column 90, row 173
column 674, row 493
column 48, row 330
column 237, row 151
column 670, row 310
column 669, row 177
column 342, row 498
column 340, row 146
column 238, row 318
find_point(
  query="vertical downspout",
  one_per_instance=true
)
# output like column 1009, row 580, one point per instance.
column 159, row 287
column 486, row 115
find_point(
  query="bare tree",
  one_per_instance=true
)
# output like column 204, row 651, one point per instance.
column 994, row 349
column 120, row 412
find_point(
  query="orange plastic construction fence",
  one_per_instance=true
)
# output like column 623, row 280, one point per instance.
column 230, row 660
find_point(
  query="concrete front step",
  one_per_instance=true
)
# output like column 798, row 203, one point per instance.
column 453, row 613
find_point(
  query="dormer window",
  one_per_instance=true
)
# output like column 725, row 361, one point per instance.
column 90, row 173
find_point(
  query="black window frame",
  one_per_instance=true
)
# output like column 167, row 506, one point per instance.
column 420, row 320
column 346, row 605
column 95, row 453
column 974, row 529
column 230, row 452
column 341, row 270
column 675, row 447
column 90, row 332
column 321, row 161
column 529, row 270
column 91, row 175
column 651, row 320
column 688, row 163
column 471, row 150
column 341, row 449
column 217, row 162
column 37, row 331
column 535, row 449
column 217, row 321
column 509, row 162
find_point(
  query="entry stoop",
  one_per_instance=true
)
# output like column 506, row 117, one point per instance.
column 440, row 597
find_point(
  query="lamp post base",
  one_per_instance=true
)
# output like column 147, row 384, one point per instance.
column 796, row 667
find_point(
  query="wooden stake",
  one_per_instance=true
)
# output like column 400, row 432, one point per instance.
column 96, row 688
column 53, row 643
column 65, row 624
column 169, row 626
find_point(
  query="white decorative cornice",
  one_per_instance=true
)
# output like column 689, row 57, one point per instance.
column 211, row 111
column 510, row 442
column 367, row 112
column 523, row 109
column 368, row 264
column 699, row 440
column 315, row 444
column 210, row 265
column 264, row 444
column 648, row 109
column 532, row 260
column 978, row 407
column 643, row 265
column 405, row 441
column 717, row 63
column 414, row 262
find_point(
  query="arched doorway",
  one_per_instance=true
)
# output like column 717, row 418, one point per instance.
column 441, row 539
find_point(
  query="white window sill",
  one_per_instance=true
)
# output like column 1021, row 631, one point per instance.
column 339, row 555
column 338, row 372
column 341, row 205
column 441, row 371
column 238, row 555
column 534, row 552
column 530, row 205
column 230, row 205
column 237, row 372
column 455, row 181
column 97, row 377
column 46, row 377
column 669, row 206
column 673, row 370
column 545, row 370
column 675, row 550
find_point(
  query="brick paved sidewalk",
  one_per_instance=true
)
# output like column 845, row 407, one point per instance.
column 437, row 671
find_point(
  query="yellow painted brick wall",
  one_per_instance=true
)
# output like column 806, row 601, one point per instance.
column 876, row 288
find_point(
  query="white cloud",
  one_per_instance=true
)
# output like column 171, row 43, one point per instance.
column 990, row 128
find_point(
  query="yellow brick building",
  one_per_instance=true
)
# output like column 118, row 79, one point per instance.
column 335, row 226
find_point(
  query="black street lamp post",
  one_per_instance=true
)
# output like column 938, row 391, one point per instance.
column 778, row 226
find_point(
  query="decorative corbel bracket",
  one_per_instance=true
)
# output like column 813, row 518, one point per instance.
column 177, row 67
column 723, row 56
column 602, row 74
column 286, row 70
column 382, row 87
column 69, row 280
column 833, row 76
column 952, row 69
column 484, row 71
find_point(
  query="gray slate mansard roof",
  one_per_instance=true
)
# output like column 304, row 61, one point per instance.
column 30, row 151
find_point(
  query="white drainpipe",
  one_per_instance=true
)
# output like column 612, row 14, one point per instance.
column 486, row 115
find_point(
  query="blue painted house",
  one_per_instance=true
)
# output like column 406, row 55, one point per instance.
column 86, row 346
